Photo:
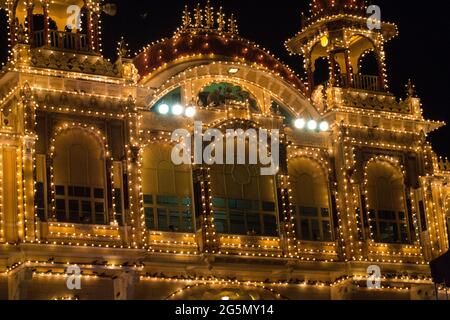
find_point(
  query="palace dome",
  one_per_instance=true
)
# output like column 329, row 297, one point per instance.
column 199, row 39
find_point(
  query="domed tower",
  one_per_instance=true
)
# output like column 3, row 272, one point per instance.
column 339, row 35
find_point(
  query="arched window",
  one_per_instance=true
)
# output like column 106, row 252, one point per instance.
column 243, row 200
column 386, row 200
column 368, row 64
column 167, row 191
column 79, row 178
column 171, row 99
column 310, row 199
column 321, row 71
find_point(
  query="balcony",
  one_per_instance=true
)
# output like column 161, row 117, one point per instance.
column 361, row 82
column 61, row 40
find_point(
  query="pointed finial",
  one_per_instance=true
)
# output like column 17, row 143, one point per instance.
column 186, row 18
column 410, row 89
column 209, row 15
column 232, row 27
column 220, row 20
column 198, row 16
column 122, row 48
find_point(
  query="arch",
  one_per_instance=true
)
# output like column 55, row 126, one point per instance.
column 282, row 91
column 310, row 199
column 167, row 191
column 386, row 201
column 79, row 176
column 368, row 63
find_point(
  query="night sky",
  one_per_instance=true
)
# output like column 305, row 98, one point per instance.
column 419, row 53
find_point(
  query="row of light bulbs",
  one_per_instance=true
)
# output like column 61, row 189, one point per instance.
column 312, row 125
column 177, row 110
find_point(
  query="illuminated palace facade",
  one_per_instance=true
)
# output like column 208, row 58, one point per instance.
column 86, row 177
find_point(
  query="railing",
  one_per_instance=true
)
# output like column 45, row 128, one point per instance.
column 359, row 81
column 61, row 40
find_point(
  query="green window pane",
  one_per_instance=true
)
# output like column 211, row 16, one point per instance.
column 148, row 199
column 219, row 203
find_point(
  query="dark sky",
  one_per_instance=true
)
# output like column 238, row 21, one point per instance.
column 419, row 53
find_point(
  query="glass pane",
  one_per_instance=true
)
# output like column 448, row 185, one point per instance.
column 270, row 225
column 99, row 208
column 86, row 206
column 268, row 206
column 167, row 200
column 386, row 215
column 308, row 212
column 162, row 220
column 315, row 228
column 220, row 221
column 304, row 230
column 60, row 190
column 174, row 221
column 387, row 232
column 71, row 191
column 80, row 192
column 253, row 224
column 149, row 219
column 218, row 203
column 98, row 193
column 73, row 206
column 148, row 199
column 237, row 223
column 326, row 228
column 402, row 216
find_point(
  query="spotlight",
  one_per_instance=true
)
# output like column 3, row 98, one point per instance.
column 324, row 126
column 312, row 125
column 177, row 109
column 190, row 112
column 300, row 123
column 163, row 108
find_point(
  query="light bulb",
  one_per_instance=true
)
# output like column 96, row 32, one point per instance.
column 177, row 109
column 300, row 123
column 163, row 108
